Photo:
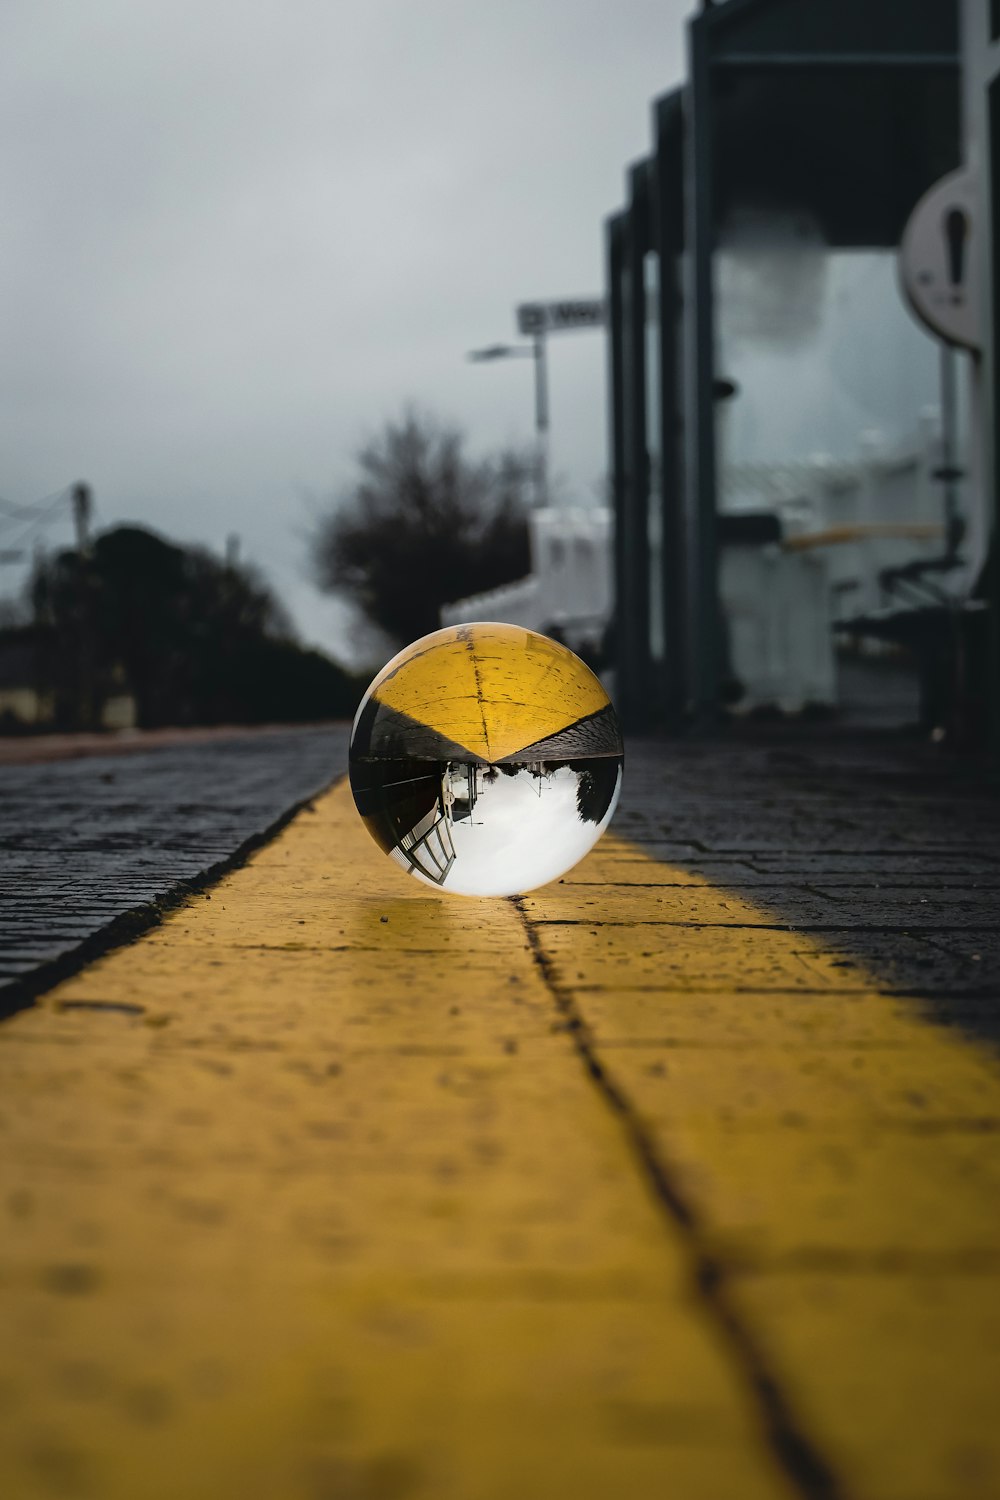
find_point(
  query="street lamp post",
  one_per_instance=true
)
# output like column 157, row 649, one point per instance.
column 536, row 351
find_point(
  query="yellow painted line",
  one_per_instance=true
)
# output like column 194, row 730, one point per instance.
column 492, row 688
column 306, row 1194
column 837, row 1149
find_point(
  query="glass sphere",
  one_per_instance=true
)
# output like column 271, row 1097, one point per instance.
column 486, row 759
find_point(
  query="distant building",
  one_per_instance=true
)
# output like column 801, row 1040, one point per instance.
column 755, row 324
column 804, row 546
column 567, row 593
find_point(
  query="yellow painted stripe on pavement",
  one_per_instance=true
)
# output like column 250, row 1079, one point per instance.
column 307, row 1195
column 837, row 1148
column 493, row 688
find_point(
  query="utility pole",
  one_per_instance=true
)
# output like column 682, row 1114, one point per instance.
column 83, row 504
column 86, row 706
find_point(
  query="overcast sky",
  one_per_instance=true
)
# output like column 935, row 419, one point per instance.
column 237, row 235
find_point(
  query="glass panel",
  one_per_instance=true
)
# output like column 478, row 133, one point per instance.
column 833, row 427
column 823, row 352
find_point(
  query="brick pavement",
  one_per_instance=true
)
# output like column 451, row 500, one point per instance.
column 92, row 847
column 886, row 848
column 676, row 1177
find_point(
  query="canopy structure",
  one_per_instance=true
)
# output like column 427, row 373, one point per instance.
column 842, row 111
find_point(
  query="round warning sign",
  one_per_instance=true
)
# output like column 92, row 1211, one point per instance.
column 939, row 260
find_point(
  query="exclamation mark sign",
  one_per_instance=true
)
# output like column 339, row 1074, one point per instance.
column 956, row 235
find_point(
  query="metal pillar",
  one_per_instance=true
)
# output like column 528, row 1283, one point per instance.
column 640, row 709
column 992, row 404
column 703, row 622
column 614, row 268
column 667, row 240
column 981, row 119
column 629, row 486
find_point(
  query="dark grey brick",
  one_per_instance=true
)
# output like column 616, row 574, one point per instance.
column 86, row 842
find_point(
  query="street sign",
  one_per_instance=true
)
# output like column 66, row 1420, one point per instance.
column 939, row 260
column 556, row 317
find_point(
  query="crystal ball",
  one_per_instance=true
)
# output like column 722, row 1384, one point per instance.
column 486, row 759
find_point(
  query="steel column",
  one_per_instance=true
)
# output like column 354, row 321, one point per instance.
column 703, row 624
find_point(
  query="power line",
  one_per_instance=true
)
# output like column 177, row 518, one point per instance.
column 37, row 515
column 25, row 512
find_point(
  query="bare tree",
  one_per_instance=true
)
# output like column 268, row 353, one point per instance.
column 424, row 525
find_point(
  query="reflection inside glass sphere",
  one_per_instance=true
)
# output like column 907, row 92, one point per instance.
column 486, row 759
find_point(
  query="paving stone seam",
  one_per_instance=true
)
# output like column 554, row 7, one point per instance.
column 805, row 1465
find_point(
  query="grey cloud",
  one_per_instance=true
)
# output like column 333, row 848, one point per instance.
column 238, row 235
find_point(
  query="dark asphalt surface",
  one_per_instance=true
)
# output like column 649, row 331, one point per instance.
column 90, row 849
